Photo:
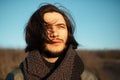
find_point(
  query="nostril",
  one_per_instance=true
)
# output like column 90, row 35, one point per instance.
column 53, row 34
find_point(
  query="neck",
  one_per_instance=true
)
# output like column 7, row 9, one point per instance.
column 51, row 60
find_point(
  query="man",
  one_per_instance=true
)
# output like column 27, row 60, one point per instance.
column 50, row 46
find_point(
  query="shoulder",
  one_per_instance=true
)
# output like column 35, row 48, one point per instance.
column 88, row 75
column 15, row 75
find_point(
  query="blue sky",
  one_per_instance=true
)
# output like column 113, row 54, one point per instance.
column 97, row 22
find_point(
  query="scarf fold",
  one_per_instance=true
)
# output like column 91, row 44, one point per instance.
column 70, row 68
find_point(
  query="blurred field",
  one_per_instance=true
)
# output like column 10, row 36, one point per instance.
column 9, row 60
column 105, row 64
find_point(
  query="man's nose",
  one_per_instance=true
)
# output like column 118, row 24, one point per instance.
column 54, row 32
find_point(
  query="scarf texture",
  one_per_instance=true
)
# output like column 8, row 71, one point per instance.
column 70, row 68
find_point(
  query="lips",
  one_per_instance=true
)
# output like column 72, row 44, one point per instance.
column 56, row 42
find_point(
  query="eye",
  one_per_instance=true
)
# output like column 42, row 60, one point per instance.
column 48, row 26
column 49, row 29
column 61, row 26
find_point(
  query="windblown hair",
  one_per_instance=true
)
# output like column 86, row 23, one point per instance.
column 35, row 30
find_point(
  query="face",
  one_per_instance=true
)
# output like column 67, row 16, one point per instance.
column 57, row 32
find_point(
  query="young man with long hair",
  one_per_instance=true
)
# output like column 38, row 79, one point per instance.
column 51, row 46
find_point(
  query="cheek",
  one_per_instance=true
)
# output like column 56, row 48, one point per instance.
column 64, row 34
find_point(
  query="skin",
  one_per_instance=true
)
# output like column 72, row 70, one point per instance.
column 57, row 32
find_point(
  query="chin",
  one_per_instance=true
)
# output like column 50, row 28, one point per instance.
column 55, row 48
column 54, row 51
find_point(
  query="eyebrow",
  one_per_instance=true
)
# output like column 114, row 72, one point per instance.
column 61, row 24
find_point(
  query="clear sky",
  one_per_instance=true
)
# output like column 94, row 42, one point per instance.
column 97, row 22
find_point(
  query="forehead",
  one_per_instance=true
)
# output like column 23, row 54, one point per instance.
column 53, row 17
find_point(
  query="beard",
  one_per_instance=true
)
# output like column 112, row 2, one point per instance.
column 50, row 54
column 53, row 51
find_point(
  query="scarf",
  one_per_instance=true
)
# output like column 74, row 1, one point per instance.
column 70, row 68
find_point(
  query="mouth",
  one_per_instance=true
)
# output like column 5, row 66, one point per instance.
column 56, row 42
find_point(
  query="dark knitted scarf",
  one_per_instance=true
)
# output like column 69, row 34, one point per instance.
column 70, row 68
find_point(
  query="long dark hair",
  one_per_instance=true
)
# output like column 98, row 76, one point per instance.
column 35, row 31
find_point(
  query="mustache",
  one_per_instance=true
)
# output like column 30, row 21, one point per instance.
column 56, row 40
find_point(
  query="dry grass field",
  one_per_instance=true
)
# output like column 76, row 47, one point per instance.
column 9, row 60
column 105, row 64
